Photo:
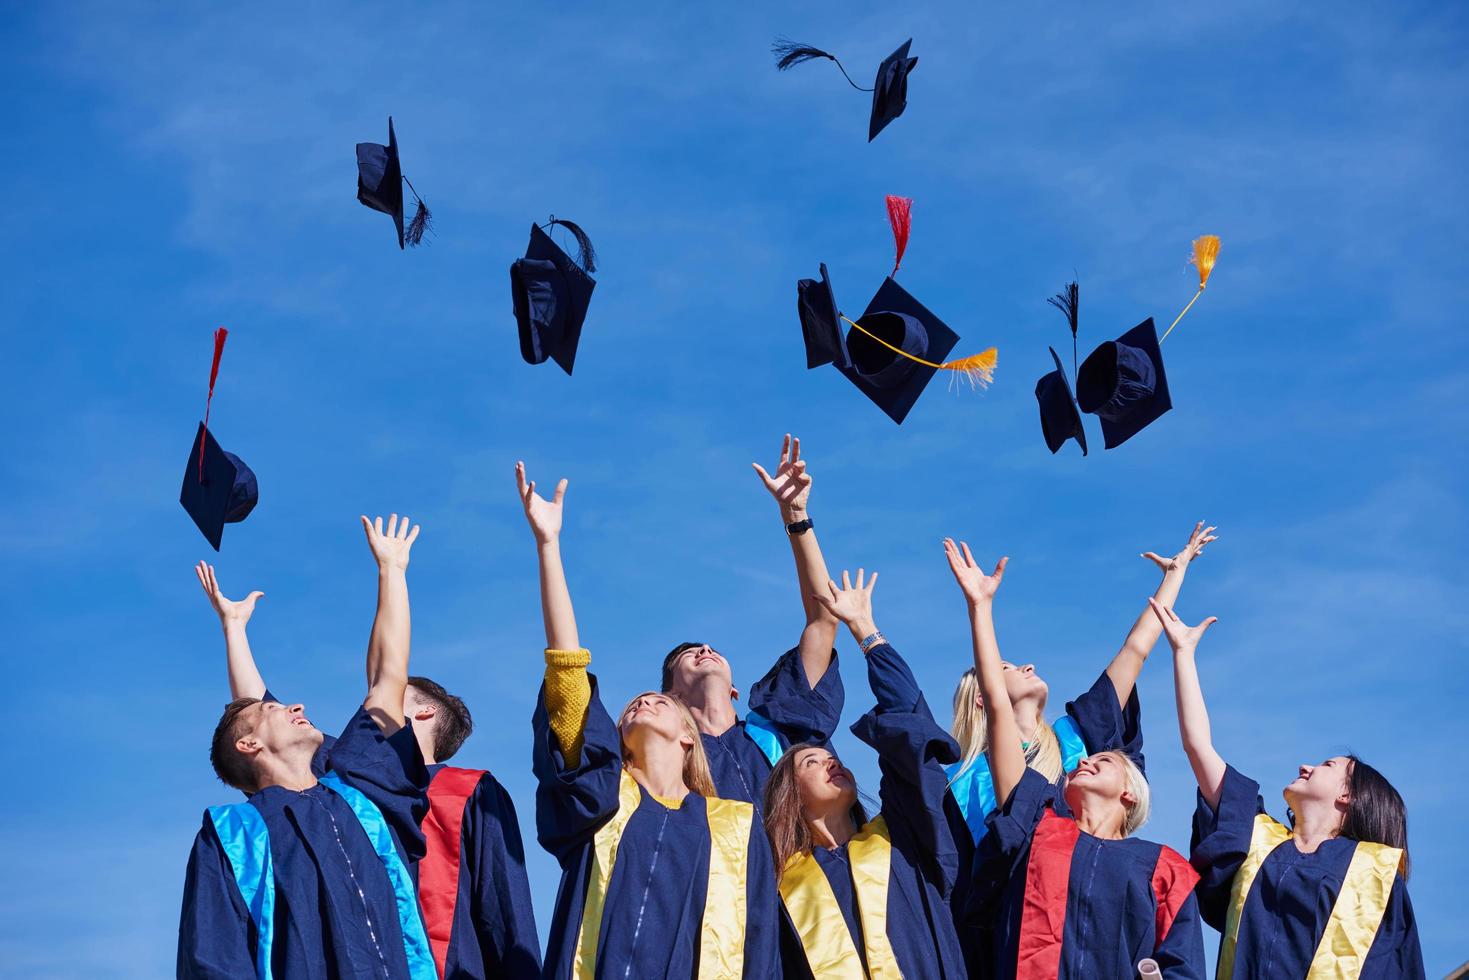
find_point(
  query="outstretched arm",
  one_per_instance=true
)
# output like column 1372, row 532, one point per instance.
column 791, row 488
column 568, row 689
column 387, row 648
column 1124, row 669
column 245, row 679
column 1006, row 756
column 1193, row 714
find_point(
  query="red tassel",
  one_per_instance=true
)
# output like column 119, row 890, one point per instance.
column 900, row 213
column 220, row 334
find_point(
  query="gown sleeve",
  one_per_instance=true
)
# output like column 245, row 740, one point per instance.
column 911, row 752
column 1221, row 842
column 1396, row 951
column 1005, row 846
column 572, row 802
column 1180, row 955
column 388, row 770
column 798, row 711
column 762, row 908
column 216, row 936
column 1105, row 725
column 503, row 916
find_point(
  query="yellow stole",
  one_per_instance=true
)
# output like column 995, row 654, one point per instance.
column 1355, row 915
column 722, row 932
column 812, row 907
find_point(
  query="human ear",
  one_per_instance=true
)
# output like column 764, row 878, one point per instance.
column 248, row 745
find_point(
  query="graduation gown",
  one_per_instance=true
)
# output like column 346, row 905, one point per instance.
column 1342, row 911
column 472, row 884
column 333, row 875
column 1064, row 904
column 879, row 905
column 784, row 710
column 1093, row 722
column 648, row 890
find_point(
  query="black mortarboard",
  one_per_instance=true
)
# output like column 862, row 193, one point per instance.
column 1060, row 419
column 380, row 186
column 1123, row 383
column 890, row 90
column 821, row 322
column 551, row 293
column 893, row 381
column 222, row 492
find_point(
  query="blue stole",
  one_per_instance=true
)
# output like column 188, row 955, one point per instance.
column 974, row 788
column 246, row 841
column 762, row 732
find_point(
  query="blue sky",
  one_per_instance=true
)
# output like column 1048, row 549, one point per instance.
column 169, row 172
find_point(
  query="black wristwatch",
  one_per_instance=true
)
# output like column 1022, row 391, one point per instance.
column 799, row 527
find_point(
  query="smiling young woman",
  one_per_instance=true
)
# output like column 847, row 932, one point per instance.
column 1326, row 894
column 659, row 877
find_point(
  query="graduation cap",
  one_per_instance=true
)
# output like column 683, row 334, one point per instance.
column 892, row 351
column 889, row 90
column 1123, row 383
column 551, row 293
column 218, row 487
column 1060, row 418
column 380, row 183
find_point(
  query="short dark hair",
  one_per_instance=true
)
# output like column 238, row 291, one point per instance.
column 452, row 723
column 1376, row 812
column 669, row 661
column 230, row 765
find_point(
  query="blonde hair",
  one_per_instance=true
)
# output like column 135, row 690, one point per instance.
column 1142, row 797
column 696, row 775
column 1043, row 754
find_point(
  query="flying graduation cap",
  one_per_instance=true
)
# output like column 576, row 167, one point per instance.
column 889, row 90
column 551, row 294
column 1123, row 382
column 1060, row 418
column 218, row 487
column 894, row 348
column 380, row 183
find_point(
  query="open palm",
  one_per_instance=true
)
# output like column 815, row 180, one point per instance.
column 1181, row 636
column 973, row 580
column 791, row 484
column 543, row 515
column 229, row 610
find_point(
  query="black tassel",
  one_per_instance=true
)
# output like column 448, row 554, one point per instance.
column 790, row 53
column 586, row 256
column 1068, row 301
column 422, row 218
column 422, row 222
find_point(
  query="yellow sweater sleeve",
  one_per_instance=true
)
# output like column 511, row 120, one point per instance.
column 568, row 693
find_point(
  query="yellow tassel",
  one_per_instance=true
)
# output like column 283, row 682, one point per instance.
column 977, row 369
column 1206, row 253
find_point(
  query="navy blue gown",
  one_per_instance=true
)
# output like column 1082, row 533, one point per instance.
column 637, row 897
column 1277, row 909
column 784, row 710
column 1061, row 903
column 922, row 861
column 472, row 882
column 336, row 912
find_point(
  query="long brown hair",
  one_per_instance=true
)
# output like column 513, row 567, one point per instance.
column 1376, row 812
column 696, row 775
column 1043, row 754
column 785, row 822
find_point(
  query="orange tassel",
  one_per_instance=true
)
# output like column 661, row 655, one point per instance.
column 977, row 369
column 1206, row 252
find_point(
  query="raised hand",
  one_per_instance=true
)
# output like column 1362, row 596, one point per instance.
column 978, row 587
column 1196, row 541
column 1181, row 636
column 543, row 515
column 235, row 612
column 390, row 547
column 791, row 485
column 852, row 604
